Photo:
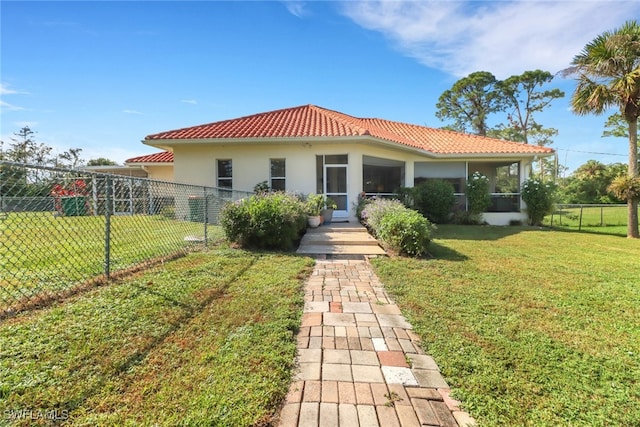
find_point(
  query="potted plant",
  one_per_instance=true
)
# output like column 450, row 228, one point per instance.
column 314, row 205
column 327, row 212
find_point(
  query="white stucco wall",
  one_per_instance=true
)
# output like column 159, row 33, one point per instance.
column 197, row 163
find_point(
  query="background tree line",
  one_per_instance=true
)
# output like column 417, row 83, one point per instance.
column 23, row 148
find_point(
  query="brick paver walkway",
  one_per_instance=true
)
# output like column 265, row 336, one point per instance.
column 360, row 364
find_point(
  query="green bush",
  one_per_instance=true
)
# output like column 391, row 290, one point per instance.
column 539, row 197
column 401, row 229
column 406, row 232
column 478, row 197
column 376, row 209
column 265, row 221
column 433, row 198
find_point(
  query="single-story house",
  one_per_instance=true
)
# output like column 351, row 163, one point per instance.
column 310, row 149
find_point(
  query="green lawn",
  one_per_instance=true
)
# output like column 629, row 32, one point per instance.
column 207, row 339
column 530, row 327
column 42, row 253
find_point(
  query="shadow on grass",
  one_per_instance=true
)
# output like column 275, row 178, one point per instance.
column 439, row 251
column 600, row 231
column 479, row 232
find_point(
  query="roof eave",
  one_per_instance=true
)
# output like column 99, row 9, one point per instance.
column 131, row 164
column 168, row 144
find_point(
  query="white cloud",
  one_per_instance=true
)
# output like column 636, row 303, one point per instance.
column 5, row 106
column 132, row 112
column 189, row 101
column 4, row 90
column 296, row 8
column 502, row 37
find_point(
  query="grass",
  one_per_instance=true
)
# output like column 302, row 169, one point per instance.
column 203, row 340
column 42, row 253
column 530, row 327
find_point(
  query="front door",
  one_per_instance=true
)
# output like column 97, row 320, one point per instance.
column 335, row 183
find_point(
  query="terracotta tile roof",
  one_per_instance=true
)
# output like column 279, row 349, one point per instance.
column 310, row 121
column 162, row 157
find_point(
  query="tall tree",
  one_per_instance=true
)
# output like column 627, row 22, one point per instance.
column 71, row 158
column 469, row 102
column 608, row 75
column 522, row 98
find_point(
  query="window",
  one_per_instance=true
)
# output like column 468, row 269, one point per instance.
column 278, row 175
column 381, row 176
column 225, row 174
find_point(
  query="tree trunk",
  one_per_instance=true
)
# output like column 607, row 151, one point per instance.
column 632, row 205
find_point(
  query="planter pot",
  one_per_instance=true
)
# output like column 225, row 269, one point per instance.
column 327, row 215
column 314, row 221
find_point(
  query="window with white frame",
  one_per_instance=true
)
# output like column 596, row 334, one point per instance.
column 278, row 175
column 225, row 173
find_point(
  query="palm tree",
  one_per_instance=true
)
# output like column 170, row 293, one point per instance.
column 608, row 75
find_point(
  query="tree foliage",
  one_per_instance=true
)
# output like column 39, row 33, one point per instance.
column 470, row 102
column 101, row 161
column 590, row 183
column 607, row 73
column 522, row 97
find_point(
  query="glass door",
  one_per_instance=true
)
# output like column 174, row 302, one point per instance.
column 335, row 183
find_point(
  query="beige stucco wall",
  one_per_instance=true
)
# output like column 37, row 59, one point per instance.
column 196, row 164
column 161, row 173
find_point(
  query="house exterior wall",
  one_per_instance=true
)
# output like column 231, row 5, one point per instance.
column 160, row 173
column 196, row 164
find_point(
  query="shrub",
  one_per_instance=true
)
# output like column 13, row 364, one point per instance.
column 406, row 232
column 362, row 203
column 264, row 221
column 478, row 197
column 403, row 230
column 433, row 198
column 376, row 209
column 539, row 197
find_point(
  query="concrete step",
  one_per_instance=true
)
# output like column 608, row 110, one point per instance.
column 340, row 250
column 335, row 227
column 338, row 238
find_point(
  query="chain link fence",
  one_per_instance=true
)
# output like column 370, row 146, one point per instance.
column 65, row 230
column 579, row 216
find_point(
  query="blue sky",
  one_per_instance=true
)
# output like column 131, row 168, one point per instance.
column 102, row 75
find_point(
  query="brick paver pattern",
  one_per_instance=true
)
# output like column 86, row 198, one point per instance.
column 359, row 361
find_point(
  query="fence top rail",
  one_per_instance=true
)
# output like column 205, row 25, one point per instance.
column 84, row 172
column 588, row 205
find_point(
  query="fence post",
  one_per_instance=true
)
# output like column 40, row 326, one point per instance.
column 580, row 223
column 107, row 226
